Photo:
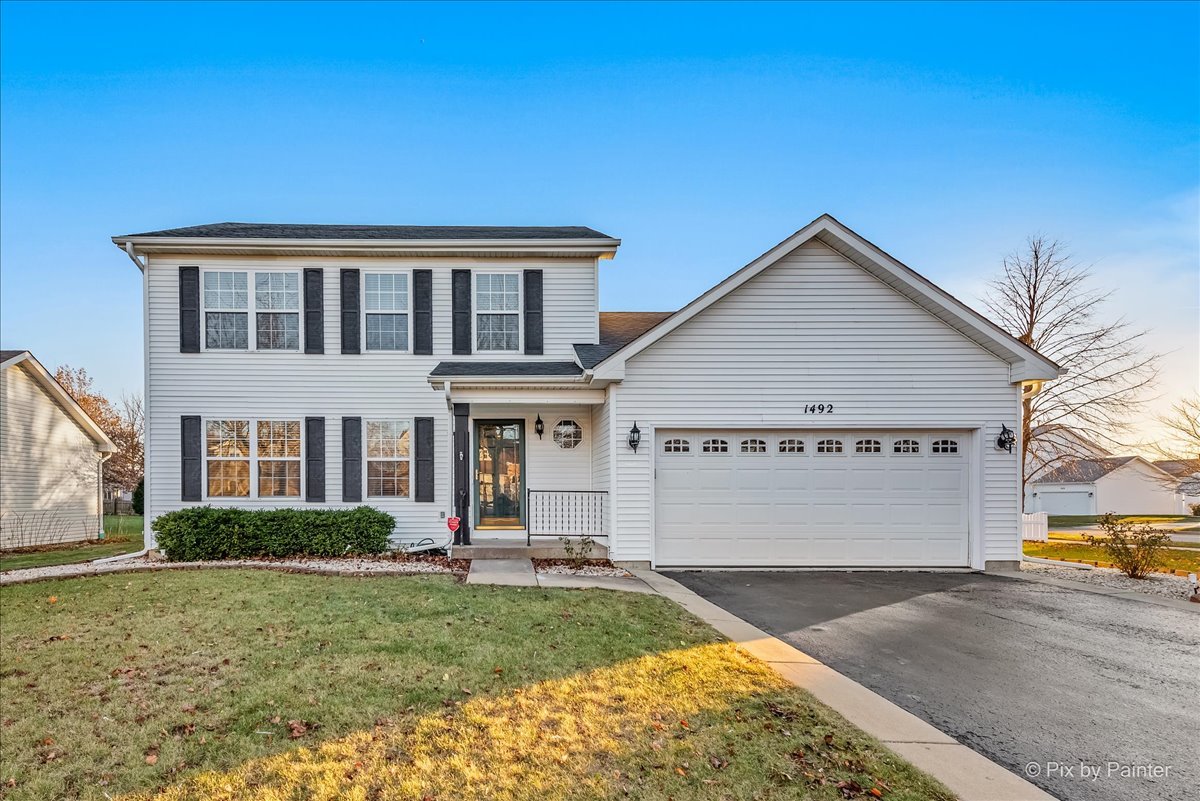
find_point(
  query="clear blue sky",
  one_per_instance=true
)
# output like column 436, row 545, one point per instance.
column 700, row 134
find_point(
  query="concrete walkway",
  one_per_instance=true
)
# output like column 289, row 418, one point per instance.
column 520, row 573
column 969, row 775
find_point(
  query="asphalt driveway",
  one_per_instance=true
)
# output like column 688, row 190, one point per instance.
column 1065, row 687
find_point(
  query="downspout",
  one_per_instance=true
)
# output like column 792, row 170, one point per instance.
column 104, row 457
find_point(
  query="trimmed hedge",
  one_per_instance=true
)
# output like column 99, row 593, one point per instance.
column 205, row 532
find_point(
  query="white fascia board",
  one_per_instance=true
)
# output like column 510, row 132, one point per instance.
column 193, row 244
column 65, row 401
column 1028, row 364
column 529, row 397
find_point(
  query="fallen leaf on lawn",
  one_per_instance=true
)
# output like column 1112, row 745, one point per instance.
column 276, row 719
column 466, row 691
column 684, row 724
column 151, row 759
column 828, row 739
column 299, row 728
column 681, row 771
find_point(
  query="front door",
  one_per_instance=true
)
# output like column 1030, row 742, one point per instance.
column 500, row 474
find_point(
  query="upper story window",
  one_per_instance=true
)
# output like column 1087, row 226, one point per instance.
column 497, row 311
column 386, row 308
column 231, row 297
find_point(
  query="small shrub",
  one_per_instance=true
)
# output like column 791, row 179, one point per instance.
column 139, row 497
column 205, row 532
column 577, row 555
column 1195, row 509
column 1132, row 547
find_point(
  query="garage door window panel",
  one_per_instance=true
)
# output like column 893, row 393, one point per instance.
column 906, row 446
column 945, row 446
column 754, row 446
column 715, row 446
column 677, row 446
column 791, row 446
column 868, row 446
column 830, row 446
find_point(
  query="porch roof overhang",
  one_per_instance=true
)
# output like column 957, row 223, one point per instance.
column 530, row 382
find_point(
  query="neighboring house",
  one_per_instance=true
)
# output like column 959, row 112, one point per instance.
column 1187, row 471
column 51, row 459
column 823, row 406
column 1121, row 484
column 1053, row 446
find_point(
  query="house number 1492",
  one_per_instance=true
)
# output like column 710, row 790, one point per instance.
column 818, row 408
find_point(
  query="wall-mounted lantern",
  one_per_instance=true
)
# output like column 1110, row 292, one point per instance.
column 539, row 427
column 635, row 437
column 1006, row 440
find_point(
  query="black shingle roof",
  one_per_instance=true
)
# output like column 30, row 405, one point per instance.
column 5, row 355
column 506, row 369
column 618, row 329
column 237, row 230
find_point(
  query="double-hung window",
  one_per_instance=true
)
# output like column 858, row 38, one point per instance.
column 497, row 311
column 386, row 308
column 242, row 454
column 388, row 452
column 231, row 297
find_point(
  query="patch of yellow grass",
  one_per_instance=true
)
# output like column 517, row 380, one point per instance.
column 590, row 735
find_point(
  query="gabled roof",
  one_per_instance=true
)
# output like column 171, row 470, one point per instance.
column 1025, row 363
column 1087, row 471
column 1180, row 468
column 616, row 330
column 14, row 358
column 240, row 230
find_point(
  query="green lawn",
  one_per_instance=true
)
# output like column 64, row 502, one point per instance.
column 1171, row 558
column 123, row 535
column 1069, row 537
column 238, row 684
column 1092, row 520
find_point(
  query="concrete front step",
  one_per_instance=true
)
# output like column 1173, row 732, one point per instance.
column 545, row 549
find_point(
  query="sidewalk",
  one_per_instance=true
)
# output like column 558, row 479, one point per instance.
column 520, row 573
column 969, row 775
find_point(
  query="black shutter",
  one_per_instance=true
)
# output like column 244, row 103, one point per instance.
column 423, row 312
column 191, row 444
column 189, row 309
column 314, row 310
column 350, row 308
column 314, row 459
column 352, row 458
column 533, row 312
column 423, row 437
column 460, row 292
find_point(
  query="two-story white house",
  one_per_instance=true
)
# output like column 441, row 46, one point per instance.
column 823, row 406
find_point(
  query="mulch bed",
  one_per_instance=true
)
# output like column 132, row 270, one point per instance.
column 570, row 563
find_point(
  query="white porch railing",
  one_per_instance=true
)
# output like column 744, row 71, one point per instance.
column 566, row 513
column 1035, row 527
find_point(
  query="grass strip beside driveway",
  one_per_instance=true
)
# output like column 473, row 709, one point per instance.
column 1170, row 559
column 231, row 684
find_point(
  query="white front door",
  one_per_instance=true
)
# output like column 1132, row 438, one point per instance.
column 811, row 498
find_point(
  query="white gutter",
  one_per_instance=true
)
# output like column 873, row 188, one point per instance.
column 132, row 254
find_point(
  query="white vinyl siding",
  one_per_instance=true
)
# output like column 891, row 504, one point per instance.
column 49, row 468
column 815, row 327
column 379, row 385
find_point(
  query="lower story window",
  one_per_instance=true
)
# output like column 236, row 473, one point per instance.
column 227, row 451
column 269, row 461
column 388, row 458
column 278, row 458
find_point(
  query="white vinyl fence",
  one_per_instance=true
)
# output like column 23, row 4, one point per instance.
column 1035, row 527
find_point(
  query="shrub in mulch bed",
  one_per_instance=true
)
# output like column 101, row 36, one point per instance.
column 571, row 563
column 202, row 533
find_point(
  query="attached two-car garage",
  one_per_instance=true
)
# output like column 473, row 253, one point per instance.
column 729, row 498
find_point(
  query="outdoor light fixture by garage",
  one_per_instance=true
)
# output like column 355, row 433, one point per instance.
column 1006, row 440
column 635, row 437
column 539, row 427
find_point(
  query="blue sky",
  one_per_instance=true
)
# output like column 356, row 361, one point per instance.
column 700, row 134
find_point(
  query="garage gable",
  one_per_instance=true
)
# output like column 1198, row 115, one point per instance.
column 827, row 235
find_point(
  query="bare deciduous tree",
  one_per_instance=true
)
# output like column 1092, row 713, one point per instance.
column 1044, row 298
column 1183, row 428
column 124, row 425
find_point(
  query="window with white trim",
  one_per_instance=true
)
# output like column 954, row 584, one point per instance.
column 497, row 311
column 945, row 446
column 829, row 446
column 278, row 444
column 677, row 446
column 567, row 434
column 754, row 446
column 791, row 446
column 868, row 446
column 388, row 458
column 386, row 308
column 906, row 446
column 227, row 458
column 229, row 299
column 715, row 446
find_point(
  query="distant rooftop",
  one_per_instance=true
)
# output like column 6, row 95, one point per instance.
column 239, row 230
column 1083, row 471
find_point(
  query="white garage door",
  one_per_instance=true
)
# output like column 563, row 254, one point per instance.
column 836, row 499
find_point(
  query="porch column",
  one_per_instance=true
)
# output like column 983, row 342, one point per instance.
column 462, row 472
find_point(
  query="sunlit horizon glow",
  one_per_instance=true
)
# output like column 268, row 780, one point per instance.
column 699, row 134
